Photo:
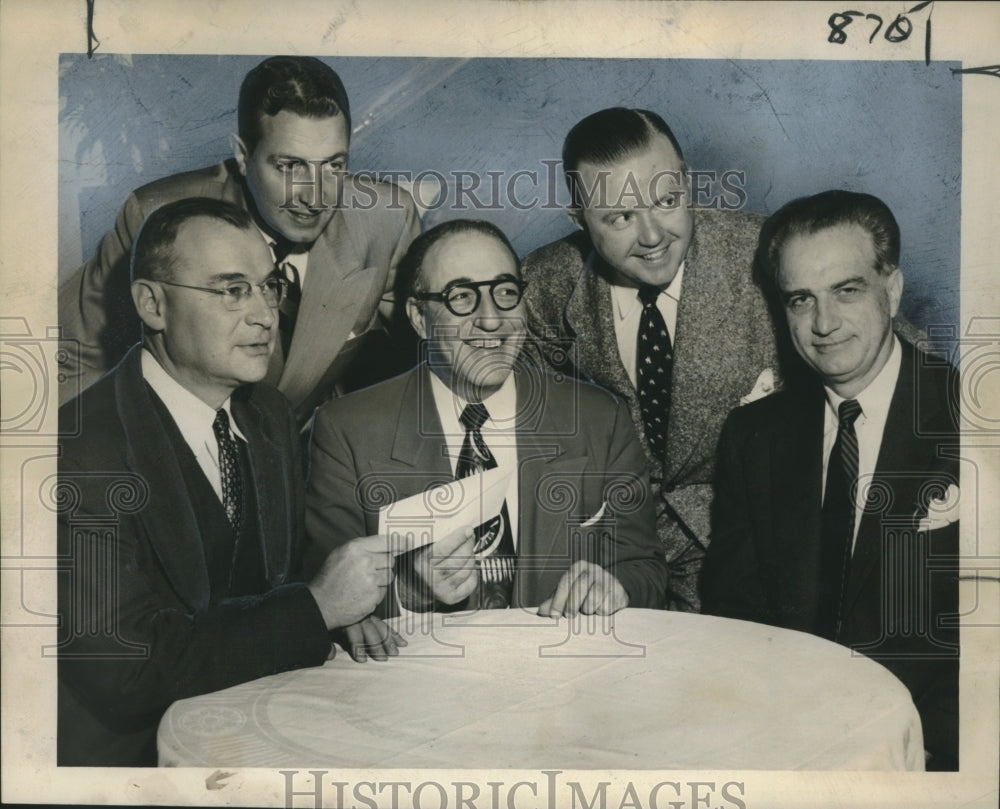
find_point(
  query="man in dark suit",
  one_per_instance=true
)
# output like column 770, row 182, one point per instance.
column 836, row 501
column 180, row 519
column 639, row 236
column 337, row 238
column 576, row 530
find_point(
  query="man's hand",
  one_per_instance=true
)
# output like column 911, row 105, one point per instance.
column 447, row 568
column 353, row 579
column 586, row 588
column 370, row 637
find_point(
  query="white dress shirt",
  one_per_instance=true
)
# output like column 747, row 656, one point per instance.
column 627, row 312
column 499, row 432
column 869, row 426
column 193, row 417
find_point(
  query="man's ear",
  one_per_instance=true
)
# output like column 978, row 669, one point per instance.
column 149, row 303
column 894, row 286
column 415, row 314
column 576, row 217
column 240, row 152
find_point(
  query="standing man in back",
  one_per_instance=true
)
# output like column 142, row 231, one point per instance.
column 655, row 301
column 336, row 238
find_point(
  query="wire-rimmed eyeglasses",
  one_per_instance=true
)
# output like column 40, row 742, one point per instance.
column 236, row 294
column 463, row 298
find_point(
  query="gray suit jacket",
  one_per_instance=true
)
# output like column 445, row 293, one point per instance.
column 724, row 340
column 351, row 267
column 576, row 453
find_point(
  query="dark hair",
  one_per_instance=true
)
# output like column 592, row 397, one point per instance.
column 300, row 84
column 153, row 256
column 606, row 137
column 808, row 215
column 408, row 278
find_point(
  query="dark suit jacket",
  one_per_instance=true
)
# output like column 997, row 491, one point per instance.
column 724, row 340
column 900, row 604
column 139, row 627
column 576, row 451
column 351, row 266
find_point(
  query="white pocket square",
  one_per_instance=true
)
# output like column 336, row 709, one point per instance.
column 766, row 384
column 941, row 512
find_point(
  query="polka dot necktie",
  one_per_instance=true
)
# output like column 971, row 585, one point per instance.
column 838, row 519
column 494, row 541
column 654, row 365
column 229, row 470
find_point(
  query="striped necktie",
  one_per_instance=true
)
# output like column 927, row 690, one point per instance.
column 838, row 520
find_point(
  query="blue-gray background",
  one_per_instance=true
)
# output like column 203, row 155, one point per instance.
column 793, row 127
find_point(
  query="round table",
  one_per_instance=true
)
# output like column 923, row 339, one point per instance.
column 643, row 689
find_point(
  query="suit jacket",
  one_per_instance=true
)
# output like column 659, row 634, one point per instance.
column 576, row 453
column 351, row 266
column 900, row 604
column 132, row 544
column 723, row 341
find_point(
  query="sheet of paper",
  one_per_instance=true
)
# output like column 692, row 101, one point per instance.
column 437, row 512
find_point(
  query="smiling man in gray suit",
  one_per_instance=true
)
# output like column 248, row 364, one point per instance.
column 336, row 238
column 576, row 532
column 648, row 277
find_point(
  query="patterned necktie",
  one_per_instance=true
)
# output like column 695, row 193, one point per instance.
column 654, row 365
column 838, row 519
column 494, row 542
column 229, row 470
column 288, row 309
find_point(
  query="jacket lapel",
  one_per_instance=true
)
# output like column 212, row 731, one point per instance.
column 336, row 286
column 796, row 472
column 274, row 477
column 596, row 342
column 168, row 517
column 902, row 460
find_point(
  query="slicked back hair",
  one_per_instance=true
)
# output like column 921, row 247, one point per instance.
column 808, row 215
column 300, row 84
column 605, row 137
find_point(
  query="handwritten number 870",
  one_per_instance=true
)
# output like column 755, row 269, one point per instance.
column 898, row 31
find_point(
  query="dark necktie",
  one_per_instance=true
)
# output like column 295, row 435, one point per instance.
column 494, row 546
column 838, row 519
column 229, row 470
column 288, row 309
column 654, row 365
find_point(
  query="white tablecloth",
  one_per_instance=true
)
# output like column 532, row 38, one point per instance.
column 642, row 690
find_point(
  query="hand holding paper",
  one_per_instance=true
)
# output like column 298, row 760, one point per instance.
column 353, row 578
column 438, row 512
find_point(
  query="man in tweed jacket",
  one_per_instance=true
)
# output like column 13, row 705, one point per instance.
column 627, row 176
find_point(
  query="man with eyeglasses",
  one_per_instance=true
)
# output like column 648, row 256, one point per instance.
column 575, row 532
column 336, row 238
column 182, row 523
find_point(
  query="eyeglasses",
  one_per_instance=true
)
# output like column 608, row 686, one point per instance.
column 236, row 294
column 463, row 298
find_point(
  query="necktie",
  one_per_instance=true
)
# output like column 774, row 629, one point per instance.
column 838, row 519
column 654, row 365
column 229, row 470
column 288, row 309
column 494, row 542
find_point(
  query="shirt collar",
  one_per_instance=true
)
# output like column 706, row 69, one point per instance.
column 501, row 405
column 190, row 413
column 626, row 298
column 878, row 395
